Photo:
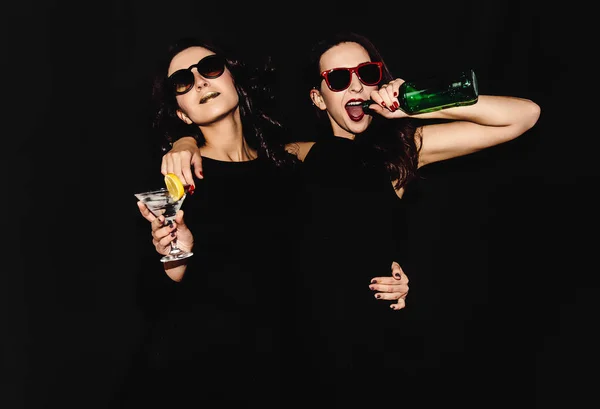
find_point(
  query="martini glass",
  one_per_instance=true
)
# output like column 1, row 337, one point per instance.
column 160, row 202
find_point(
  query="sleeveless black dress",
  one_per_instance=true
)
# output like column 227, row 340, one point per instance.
column 350, row 342
column 215, row 339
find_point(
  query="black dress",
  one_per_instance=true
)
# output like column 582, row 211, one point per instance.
column 351, row 343
column 215, row 336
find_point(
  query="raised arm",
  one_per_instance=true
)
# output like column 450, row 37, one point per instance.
column 491, row 121
column 185, row 154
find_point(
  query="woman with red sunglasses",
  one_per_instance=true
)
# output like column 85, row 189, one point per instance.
column 355, row 175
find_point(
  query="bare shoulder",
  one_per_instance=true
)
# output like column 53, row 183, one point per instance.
column 299, row 149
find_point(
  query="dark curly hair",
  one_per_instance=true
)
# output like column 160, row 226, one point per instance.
column 257, row 101
column 395, row 142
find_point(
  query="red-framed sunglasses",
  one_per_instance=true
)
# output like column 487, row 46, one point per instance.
column 338, row 79
column 211, row 67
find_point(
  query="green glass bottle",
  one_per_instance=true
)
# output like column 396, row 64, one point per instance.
column 435, row 93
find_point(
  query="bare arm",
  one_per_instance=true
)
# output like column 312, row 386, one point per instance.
column 491, row 121
column 185, row 154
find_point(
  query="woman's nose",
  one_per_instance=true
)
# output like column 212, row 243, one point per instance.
column 355, row 84
column 201, row 82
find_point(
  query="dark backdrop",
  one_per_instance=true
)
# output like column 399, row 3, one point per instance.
column 497, row 268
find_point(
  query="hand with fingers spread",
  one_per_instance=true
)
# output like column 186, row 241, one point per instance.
column 163, row 235
column 184, row 155
column 392, row 288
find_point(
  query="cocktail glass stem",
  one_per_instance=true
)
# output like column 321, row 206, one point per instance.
column 174, row 248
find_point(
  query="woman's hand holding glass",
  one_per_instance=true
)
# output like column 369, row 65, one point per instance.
column 164, row 234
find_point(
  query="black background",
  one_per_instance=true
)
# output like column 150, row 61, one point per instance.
column 498, row 270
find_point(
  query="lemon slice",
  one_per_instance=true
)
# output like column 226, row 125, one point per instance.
column 174, row 186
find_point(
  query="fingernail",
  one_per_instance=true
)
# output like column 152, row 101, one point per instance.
column 374, row 281
column 377, row 295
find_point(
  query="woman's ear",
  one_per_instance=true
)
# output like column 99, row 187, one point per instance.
column 317, row 99
column 181, row 115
